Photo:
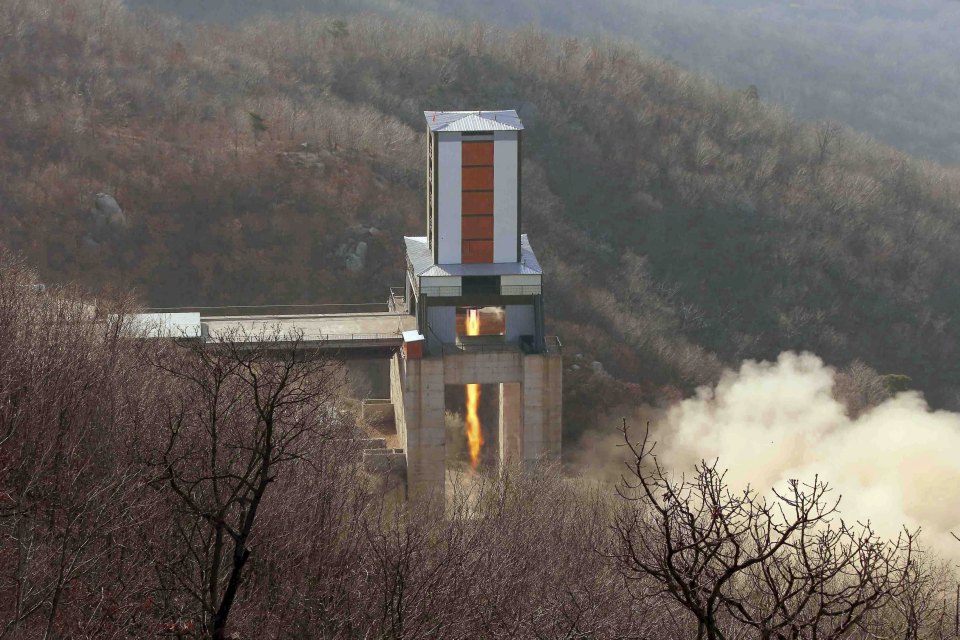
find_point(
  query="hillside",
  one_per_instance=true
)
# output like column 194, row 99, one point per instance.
column 888, row 68
column 682, row 226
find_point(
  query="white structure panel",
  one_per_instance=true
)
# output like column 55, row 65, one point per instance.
column 441, row 285
column 443, row 324
column 520, row 281
column 449, row 197
column 505, row 209
column 520, row 321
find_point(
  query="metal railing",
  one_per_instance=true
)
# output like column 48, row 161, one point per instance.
column 398, row 300
column 505, row 290
column 473, row 347
column 395, row 304
column 229, row 335
column 278, row 309
column 442, row 292
column 520, row 290
column 553, row 344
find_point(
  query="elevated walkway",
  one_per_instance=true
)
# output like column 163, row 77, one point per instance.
column 356, row 330
column 381, row 330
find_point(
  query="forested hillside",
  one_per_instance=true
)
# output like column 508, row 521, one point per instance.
column 682, row 226
column 885, row 67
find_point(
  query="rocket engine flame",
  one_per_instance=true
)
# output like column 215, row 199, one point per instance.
column 473, row 428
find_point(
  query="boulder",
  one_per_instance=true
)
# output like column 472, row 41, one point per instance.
column 107, row 212
column 354, row 263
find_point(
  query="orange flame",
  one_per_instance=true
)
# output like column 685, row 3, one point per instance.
column 474, row 432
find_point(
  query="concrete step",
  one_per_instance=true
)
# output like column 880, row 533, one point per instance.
column 384, row 461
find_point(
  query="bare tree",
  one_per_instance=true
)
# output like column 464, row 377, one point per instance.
column 242, row 409
column 783, row 568
column 70, row 392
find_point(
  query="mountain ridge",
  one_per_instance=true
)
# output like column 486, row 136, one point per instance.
column 683, row 227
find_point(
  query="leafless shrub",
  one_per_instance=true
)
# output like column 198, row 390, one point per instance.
column 71, row 393
column 241, row 409
column 781, row 568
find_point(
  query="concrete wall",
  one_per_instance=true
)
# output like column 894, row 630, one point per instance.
column 449, row 197
column 542, row 408
column 531, row 397
column 505, row 206
column 483, row 368
column 424, row 436
column 397, row 396
column 520, row 321
column 377, row 411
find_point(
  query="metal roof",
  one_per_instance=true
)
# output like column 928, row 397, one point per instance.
column 421, row 261
column 473, row 120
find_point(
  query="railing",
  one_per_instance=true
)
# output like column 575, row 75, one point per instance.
column 553, row 345
column 398, row 301
column 481, row 347
column 414, row 280
column 230, row 335
column 442, row 292
column 520, row 290
column 505, row 290
column 278, row 309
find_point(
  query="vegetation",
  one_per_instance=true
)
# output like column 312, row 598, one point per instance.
column 156, row 489
column 887, row 68
column 682, row 226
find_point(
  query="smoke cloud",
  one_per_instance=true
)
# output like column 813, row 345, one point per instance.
column 897, row 464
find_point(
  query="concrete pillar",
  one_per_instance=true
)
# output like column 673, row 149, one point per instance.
column 542, row 408
column 511, row 424
column 531, row 400
column 425, row 436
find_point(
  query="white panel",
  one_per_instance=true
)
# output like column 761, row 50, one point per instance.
column 440, row 285
column 440, row 281
column 505, row 168
column 449, row 198
column 443, row 324
column 520, row 281
column 520, row 321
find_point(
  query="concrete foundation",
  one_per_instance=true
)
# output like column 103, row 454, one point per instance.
column 530, row 389
column 375, row 411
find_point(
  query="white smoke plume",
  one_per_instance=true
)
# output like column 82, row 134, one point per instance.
column 897, row 464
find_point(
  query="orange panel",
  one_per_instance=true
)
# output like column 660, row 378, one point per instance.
column 477, row 178
column 474, row 251
column 477, row 202
column 413, row 350
column 477, row 153
column 477, row 227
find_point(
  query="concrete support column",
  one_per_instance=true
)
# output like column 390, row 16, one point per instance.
column 542, row 408
column 511, row 424
column 425, row 442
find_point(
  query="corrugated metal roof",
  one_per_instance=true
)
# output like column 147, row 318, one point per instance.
column 473, row 120
column 418, row 253
column 422, row 262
